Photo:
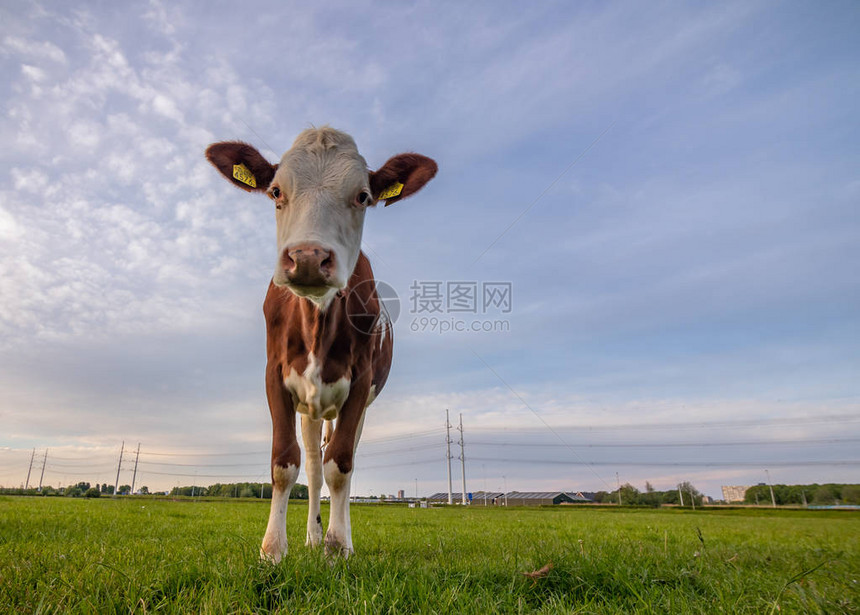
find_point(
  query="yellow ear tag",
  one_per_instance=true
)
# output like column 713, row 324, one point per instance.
column 244, row 175
column 392, row 191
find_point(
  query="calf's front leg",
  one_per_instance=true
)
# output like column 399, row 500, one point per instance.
column 337, row 467
column 311, row 434
column 286, row 458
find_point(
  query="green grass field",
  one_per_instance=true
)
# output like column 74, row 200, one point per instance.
column 63, row 555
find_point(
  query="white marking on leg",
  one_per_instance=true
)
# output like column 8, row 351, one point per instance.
column 275, row 541
column 311, row 434
column 338, row 537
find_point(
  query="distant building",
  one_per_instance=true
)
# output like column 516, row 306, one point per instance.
column 543, row 498
column 401, row 494
column 515, row 498
column 442, row 498
column 478, row 498
column 484, row 498
column 734, row 493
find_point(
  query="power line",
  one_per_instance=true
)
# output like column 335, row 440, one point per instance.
column 70, row 462
column 146, row 453
column 195, row 474
column 704, row 464
column 673, row 444
column 406, row 436
column 199, row 465
column 423, row 447
column 833, row 418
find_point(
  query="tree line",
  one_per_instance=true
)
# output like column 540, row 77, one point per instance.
column 828, row 494
column 77, row 490
column 684, row 495
column 238, row 490
column 219, row 490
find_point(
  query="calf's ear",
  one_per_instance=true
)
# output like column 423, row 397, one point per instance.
column 402, row 176
column 242, row 164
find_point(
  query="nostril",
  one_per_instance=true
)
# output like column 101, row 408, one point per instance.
column 287, row 262
column 308, row 264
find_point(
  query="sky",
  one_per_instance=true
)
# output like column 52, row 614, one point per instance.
column 665, row 195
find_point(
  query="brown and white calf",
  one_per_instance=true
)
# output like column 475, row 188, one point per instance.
column 329, row 341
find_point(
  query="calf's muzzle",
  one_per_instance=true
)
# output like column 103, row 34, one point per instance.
column 308, row 265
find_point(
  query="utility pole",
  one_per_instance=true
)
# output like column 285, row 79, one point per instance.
column 680, row 495
column 118, row 467
column 692, row 497
column 44, row 463
column 448, row 445
column 463, row 459
column 416, row 488
column 134, row 476
column 618, row 482
column 33, row 456
column 769, row 484
column 803, row 494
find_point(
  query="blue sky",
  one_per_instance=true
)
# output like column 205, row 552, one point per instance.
column 682, row 178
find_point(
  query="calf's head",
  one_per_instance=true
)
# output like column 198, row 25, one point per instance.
column 321, row 189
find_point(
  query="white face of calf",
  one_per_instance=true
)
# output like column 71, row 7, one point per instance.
column 321, row 189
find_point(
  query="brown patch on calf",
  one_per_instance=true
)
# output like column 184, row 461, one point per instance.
column 225, row 154
column 411, row 170
column 344, row 346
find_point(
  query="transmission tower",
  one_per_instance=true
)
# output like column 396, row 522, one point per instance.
column 134, row 476
column 448, row 455
column 118, row 468
column 44, row 463
column 33, row 456
column 463, row 458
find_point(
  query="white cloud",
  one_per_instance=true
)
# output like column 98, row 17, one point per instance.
column 29, row 180
column 39, row 50
column 9, row 228
column 33, row 73
column 109, row 195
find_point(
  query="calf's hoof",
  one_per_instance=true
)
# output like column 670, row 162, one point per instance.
column 272, row 552
column 334, row 547
column 315, row 533
column 314, row 538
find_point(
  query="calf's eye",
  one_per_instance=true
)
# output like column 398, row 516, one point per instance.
column 363, row 198
column 276, row 193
